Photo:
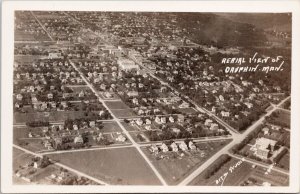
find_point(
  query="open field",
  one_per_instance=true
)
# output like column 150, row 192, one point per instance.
column 122, row 166
column 110, row 127
column 121, row 113
column 54, row 116
column 187, row 110
column 285, row 161
column 176, row 167
column 281, row 117
column 26, row 59
column 116, row 105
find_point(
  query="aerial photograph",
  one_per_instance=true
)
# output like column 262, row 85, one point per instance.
column 151, row 98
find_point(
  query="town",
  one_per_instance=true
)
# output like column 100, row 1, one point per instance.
column 113, row 98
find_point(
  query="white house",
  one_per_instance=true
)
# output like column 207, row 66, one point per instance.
column 183, row 146
column 164, row 148
column 174, row 147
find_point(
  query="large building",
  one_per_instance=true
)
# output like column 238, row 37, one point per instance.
column 264, row 146
column 127, row 65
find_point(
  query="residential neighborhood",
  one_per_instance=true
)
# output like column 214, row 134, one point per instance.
column 142, row 98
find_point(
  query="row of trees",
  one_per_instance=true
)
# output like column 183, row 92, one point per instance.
column 217, row 165
column 37, row 124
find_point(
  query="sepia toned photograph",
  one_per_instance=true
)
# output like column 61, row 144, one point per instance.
column 151, row 98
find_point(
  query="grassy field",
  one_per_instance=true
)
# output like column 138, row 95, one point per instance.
column 20, row 158
column 110, row 127
column 284, row 116
column 123, row 166
column 176, row 168
column 285, row 161
column 187, row 110
column 116, row 105
column 121, row 113
column 26, row 59
column 54, row 116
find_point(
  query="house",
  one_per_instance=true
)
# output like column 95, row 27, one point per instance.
column 164, row 148
column 81, row 94
column 139, row 122
column 266, row 130
column 183, row 146
column 214, row 126
column 92, row 123
column 192, row 145
column 221, row 98
column 19, row 97
column 208, row 122
column 132, row 94
column 78, row 139
column 148, row 127
column 180, row 118
column 157, row 120
column 37, row 164
column 55, row 55
column 121, row 138
column 225, row 114
column 248, row 104
column 50, row 96
column 213, row 109
column 75, row 127
column 154, row 149
column 163, row 119
column 174, row 147
column 171, row 119
column 48, row 145
column 141, row 112
column 148, row 122
column 264, row 147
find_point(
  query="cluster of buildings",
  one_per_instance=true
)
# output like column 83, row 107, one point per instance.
column 173, row 147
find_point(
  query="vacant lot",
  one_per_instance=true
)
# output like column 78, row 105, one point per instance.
column 123, row 113
column 20, row 158
column 116, row 105
column 123, row 166
column 55, row 116
column 110, row 127
column 281, row 117
column 26, row 59
column 187, row 110
column 177, row 167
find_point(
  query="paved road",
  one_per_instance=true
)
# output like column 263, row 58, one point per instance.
column 121, row 126
column 236, row 139
column 194, row 140
column 63, row 166
column 201, row 109
column 89, row 149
